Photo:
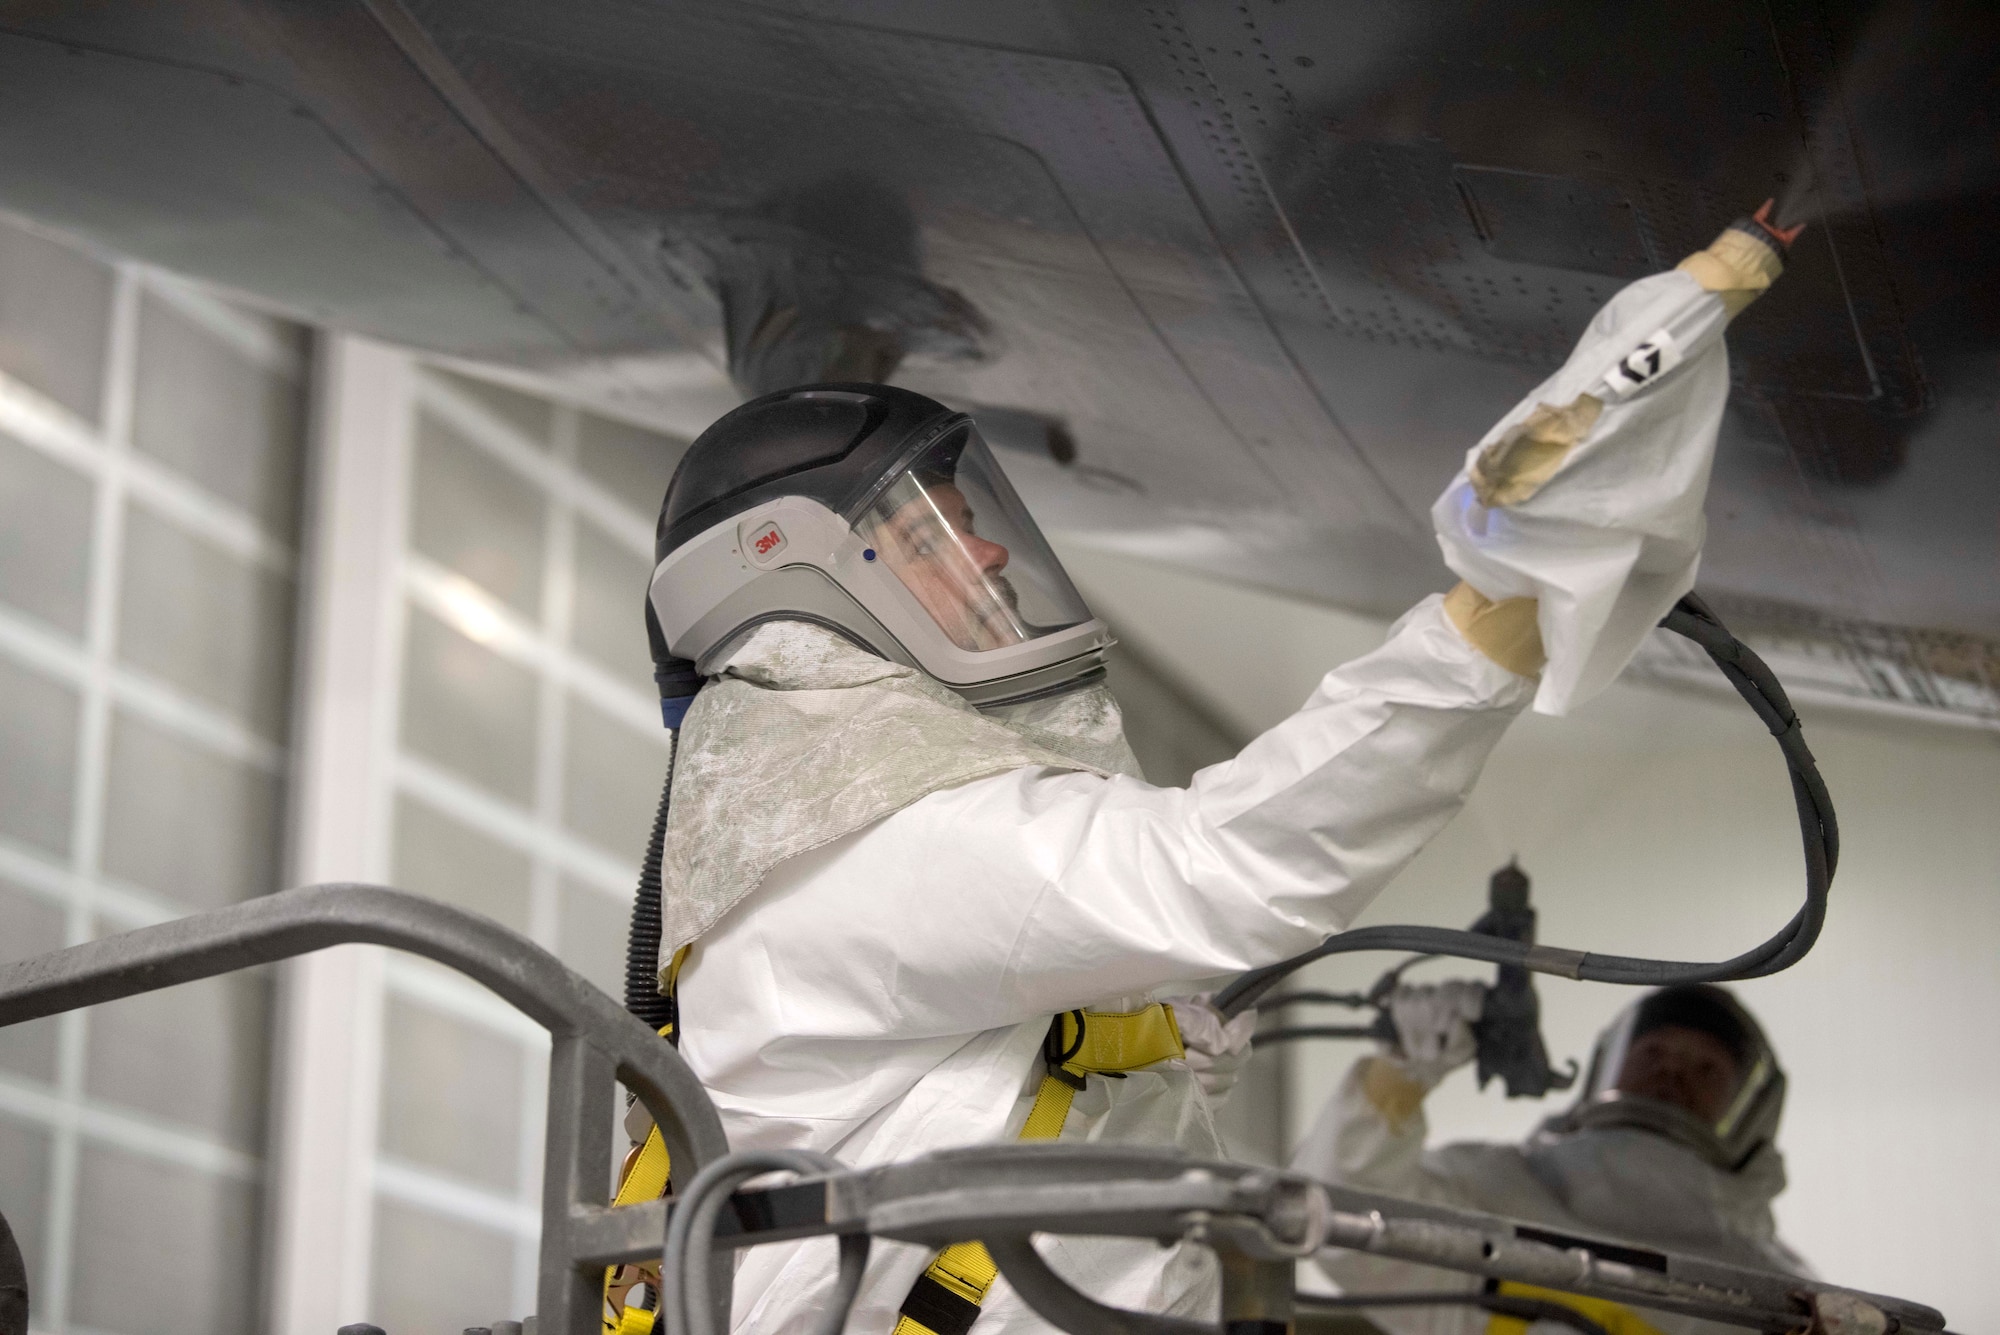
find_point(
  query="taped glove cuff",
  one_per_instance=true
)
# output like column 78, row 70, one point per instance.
column 1508, row 632
column 1393, row 1090
column 1738, row 267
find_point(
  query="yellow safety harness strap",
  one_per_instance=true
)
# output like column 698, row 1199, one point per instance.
column 945, row 1299
column 644, row 1178
column 1616, row 1318
column 632, row 1321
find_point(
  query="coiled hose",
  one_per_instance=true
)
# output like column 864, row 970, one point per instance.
column 679, row 685
column 642, row 941
column 1818, row 831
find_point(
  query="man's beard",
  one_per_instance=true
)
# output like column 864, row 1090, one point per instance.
column 1001, row 619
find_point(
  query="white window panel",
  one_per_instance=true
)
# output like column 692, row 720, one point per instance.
column 29, row 926
column 441, row 856
column 137, row 785
column 44, row 537
column 501, row 752
column 439, row 1269
column 485, row 523
column 55, row 319
column 330, row 1046
column 605, row 623
column 213, row 385
column 630, row 462
column 193, row 826
column 165, row 1249
column 530, row 417
column 451, row 1096
column 38, row 726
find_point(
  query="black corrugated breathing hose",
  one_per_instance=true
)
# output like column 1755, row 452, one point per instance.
column 1818, row 830
column 679, row 684
column 642, row 941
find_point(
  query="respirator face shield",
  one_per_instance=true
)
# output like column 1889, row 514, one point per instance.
column 881, row 515
column 1689, row 1063
column 951, row 529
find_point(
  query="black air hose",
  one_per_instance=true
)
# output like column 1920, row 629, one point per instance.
column 1756, row 683
column 642, row 942
column 679, row 683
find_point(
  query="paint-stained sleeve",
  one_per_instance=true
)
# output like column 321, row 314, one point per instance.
column 1587, row 496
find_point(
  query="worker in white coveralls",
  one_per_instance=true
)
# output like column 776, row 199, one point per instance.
column 906, row 834
column 1670, row 1145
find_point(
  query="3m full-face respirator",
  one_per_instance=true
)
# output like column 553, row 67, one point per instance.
column 881, row 515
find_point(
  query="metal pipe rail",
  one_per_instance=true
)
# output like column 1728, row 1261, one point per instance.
column 593, row 1042
column 1257, row 1220
column 1525, row 1310
column 1002, row 1194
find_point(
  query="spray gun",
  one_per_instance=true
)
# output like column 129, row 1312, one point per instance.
column 1509, row 1029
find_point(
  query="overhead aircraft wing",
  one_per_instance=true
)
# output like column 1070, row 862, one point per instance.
column 1237, row 283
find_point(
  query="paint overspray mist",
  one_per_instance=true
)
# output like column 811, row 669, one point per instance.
column 1920, row 93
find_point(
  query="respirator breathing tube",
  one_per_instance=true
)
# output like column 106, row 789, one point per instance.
column 679, row 683
column 1756, row 683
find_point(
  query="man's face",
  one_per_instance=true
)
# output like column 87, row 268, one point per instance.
column 1686, row 1067
column 930, row 542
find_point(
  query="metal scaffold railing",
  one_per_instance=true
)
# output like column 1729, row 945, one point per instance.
column 1258, row 1221
column 594, row 1045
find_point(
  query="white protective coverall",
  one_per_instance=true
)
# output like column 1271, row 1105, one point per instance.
column 876, row 964
column 1620, row 1183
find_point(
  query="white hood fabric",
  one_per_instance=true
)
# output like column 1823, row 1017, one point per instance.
column 805, row 737
column 1614, row 1182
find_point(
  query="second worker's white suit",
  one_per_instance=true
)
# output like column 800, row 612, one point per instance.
column 884, row 958
column 1617, row 1182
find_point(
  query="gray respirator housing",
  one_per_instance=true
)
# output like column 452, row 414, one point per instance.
column 1746, row 1125
column 798, row 506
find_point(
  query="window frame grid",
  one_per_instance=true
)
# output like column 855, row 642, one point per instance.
column 120, row 476
column 542, row 646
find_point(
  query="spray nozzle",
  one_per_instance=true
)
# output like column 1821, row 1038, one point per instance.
column 1764, row 226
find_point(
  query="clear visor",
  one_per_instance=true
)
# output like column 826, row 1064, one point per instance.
column 956, row 535
column 1683, row 1067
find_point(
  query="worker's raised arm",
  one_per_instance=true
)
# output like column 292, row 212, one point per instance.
column 997, row 876
column 1576, row 521
column 1039, row 889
